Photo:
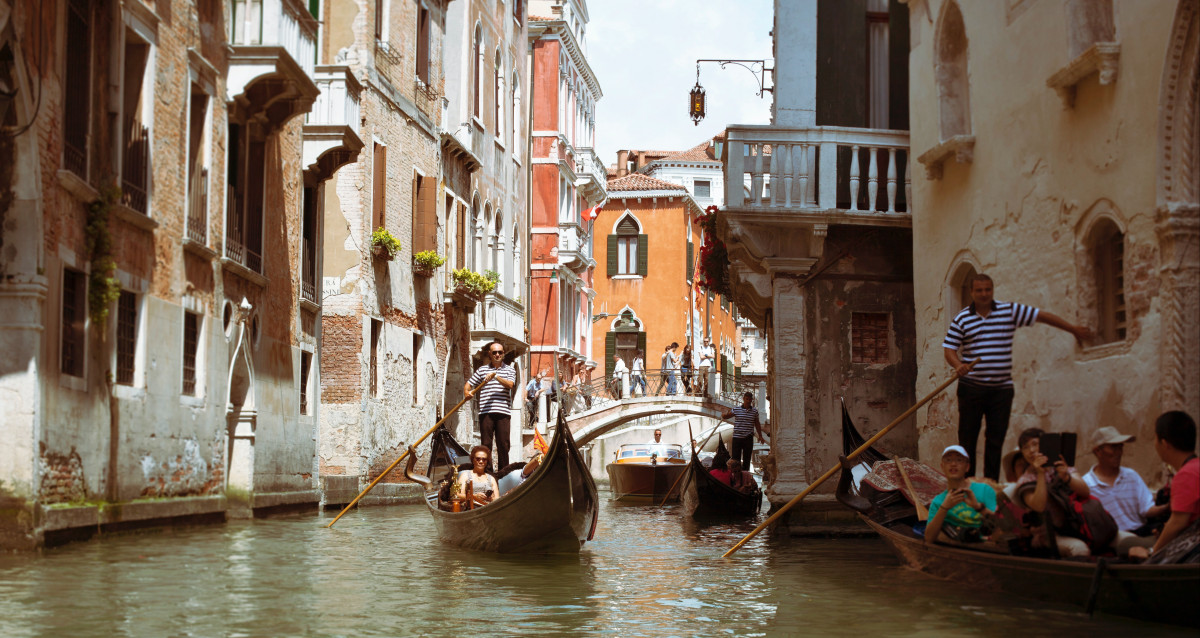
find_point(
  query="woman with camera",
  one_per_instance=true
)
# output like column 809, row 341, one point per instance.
column 1049, row 489
column 475, row 484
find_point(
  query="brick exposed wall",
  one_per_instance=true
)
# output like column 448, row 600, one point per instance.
column 341, row 359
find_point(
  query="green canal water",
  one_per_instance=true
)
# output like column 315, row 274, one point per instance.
column 381, row 572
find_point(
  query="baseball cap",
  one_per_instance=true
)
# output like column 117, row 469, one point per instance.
column 955, row 448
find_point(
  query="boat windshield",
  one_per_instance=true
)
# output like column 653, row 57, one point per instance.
column 663, row 450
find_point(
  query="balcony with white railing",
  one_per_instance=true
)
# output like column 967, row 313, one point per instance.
column 573, row 251
column 331, row 129
column 501, row 318
column 842, row 175
column 274, row 45
column 590, row 175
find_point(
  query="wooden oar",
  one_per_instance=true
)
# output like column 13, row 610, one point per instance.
column 689, row 467
column 411, row 447
column 922, row 512
column 837, row 468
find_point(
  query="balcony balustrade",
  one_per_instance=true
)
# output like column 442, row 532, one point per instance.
column 331, row 129
column 499, row 318
column 824, row 168
column 573, row 249
column 237, row 249
column 197, row 217
column 273, row 39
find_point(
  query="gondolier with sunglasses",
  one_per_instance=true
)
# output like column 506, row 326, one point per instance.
column 746, row 426
column 984, row 331
column 495, row 401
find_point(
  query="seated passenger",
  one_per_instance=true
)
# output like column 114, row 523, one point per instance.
column 476, row 482
column 1121, row 490
column 1175, row 442
column 740, row 479
column 721, row 474
column 1034, row 485
column 957, row 513
column 511, row 475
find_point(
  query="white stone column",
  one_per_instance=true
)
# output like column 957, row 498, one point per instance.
column 788, row 436
column 795, row 73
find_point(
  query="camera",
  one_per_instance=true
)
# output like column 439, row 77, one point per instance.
column 1056, row 444
column 488, row 493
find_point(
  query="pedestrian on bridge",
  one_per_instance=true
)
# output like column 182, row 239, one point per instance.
column 670, row 363
column 707, row 355
column 618, row 377
column 639, row 374
column 746, row 425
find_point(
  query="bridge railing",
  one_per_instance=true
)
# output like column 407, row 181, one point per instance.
column 602, row 391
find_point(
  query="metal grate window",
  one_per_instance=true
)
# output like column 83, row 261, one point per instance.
column 869, row 337
column 191, row 341
column 305, row 369
column 77, row 107
column 126, row 336
column 74, row 309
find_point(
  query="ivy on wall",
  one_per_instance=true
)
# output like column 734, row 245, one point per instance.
column 103, row 286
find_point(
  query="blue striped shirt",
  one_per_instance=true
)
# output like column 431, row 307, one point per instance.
column 744, row 420
column 494, row 398
column 989, row 339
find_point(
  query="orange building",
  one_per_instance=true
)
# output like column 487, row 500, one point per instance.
column 646, row 297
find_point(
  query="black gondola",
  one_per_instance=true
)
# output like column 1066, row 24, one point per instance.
column 705, row 497
column 1162, row 593
column 554, row 511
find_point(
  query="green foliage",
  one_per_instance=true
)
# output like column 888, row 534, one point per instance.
column 473, row 283
column 428, row 259
column 492, row 276
column 385, row 240
column 103, row 286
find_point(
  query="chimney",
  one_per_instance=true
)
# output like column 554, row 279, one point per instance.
column 622, row 164
column 642, row 160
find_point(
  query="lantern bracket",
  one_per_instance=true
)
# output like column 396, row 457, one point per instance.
column 758, row 68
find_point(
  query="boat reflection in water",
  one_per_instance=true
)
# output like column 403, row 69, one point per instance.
column 644, row 472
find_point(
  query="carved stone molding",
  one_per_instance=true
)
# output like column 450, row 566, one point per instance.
column 1101, row 57
column 962, row 147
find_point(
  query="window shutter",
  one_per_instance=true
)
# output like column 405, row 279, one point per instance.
column 460, row 230
column 691, row 261
column 642, row 341
column 643, row 240
column 612, row 256
column 425, row 229
column 610, row 348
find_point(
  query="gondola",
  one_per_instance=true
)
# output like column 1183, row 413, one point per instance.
column 554, row 511
column 705, row 497
column 1161, row 593
column 646, row 472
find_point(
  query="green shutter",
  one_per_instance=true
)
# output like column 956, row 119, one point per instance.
column 642, row 341
column 643, row 240
column 737, row 372
column 724, row 303
column 612, row 256
column 691, row 261
column 610, row 348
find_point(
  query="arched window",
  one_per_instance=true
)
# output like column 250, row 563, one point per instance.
column 514, row 284
column 1106, row 250
column 516, row 128
column 477, row 53
column 498, row 101
column 1088, row 22
column 627, row 249
column 474, row 249
column 498, row 244
column 486, row 242
column 950, row 72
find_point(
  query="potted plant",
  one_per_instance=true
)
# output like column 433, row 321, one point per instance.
column 472, row 284
column 384, row 244
column 426, row 261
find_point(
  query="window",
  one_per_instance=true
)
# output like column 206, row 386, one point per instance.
column 423, row 45
column 497, row 101
column 877, row 64
column 376, row 328
column 379, row 186
column 74, row 321
column 76, row 112
column 135, row 157
column 417, row 381
column 197, row 219
column 702, row 188
column 625, row 339
column 305, row 371
column 966, row 272
column 379, row 13
column 691, row 261
column 519, row 10
column 516, row 112
column 477, row 55
column 461, row 236
column 425, row 219
column 1107, row 247
column 243, row 228
column 950, row 73
column 308, row 246
column 126, row 337
column 869, row 337
column 627, row 249
column 191, row 346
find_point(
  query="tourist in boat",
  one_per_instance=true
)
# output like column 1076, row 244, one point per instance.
column 1040, row 476
column 494, row 382
column 746, row 425
column 476, row 482
column 658, row 436
column 511, row 475
column 740, row 479
column 957, row 514
column 983, row 331
column 1175, row 442
column 1121, row 489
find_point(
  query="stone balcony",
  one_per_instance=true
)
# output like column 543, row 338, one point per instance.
column 574, row 249
column 590, row 175
column 499, row 318
column 272, row 62
column 784, row 187
column 331, row 129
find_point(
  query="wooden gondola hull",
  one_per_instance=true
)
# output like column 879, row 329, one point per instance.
column 553, row 511
column 704, row 497
column 644, row 482
column 1163, row 593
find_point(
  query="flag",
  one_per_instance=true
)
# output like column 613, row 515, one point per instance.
column 539, row 443
column 592, row 213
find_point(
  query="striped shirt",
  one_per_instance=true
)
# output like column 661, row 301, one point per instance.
column 494, row 398
column 744, row 420
column 990, row 340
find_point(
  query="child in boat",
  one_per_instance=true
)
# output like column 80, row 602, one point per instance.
column 476, row 481
column 957, row 513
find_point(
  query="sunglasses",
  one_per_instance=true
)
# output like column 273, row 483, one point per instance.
column 481, row 458
column 499, row 352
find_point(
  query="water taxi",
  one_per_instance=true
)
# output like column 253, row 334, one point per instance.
column 644, row 472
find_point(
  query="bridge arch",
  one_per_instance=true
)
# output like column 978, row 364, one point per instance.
column 589, row 425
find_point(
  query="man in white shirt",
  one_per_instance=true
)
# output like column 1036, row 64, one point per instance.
column 618, row 375
column 706, row 354
column 639, row 374
column 1120, row 489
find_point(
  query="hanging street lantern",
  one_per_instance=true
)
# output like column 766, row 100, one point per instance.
column 696, row 101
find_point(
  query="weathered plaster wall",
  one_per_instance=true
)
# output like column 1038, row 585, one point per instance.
column 1020, row 209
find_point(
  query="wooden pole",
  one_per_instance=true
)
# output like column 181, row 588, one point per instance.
column 835, row 469
column 402, row 456
column 689, row 467
column 922, row 512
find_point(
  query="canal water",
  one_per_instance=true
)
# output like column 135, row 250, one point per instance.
column 381, row 572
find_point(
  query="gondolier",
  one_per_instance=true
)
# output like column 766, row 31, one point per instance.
column 746, row 426
column 984, row 331
column 495, row 401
